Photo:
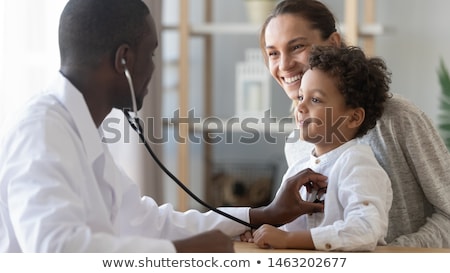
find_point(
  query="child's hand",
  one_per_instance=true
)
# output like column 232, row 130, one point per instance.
column 268, row 236
column 247, row 236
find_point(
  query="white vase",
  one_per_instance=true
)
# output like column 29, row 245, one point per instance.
column 258, row 10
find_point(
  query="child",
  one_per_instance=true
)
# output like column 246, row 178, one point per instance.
column 341, row 97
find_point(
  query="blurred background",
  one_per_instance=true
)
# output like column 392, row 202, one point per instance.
column 202, row 41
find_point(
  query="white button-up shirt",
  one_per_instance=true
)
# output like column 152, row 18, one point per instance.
column 357, row 199
column 60, row 190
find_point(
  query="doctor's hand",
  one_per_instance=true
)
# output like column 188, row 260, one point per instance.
column 288, row 204
column 210, row 241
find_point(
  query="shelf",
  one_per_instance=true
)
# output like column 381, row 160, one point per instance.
column 367, row 30
column 216, row 28
column 213, row 124
column 229, row 28
column 248, row 29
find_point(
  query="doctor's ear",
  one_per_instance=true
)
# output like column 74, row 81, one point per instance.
column 123, row 58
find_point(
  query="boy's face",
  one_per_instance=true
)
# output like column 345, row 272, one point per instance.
column 321, row 114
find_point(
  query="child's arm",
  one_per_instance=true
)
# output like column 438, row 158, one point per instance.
column 271, row 237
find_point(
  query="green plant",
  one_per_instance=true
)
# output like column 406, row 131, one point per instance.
column 444, row 106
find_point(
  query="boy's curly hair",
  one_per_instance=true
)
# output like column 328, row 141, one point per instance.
column 363, row 81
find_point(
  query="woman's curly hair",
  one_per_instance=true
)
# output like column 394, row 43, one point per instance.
column 363, row 81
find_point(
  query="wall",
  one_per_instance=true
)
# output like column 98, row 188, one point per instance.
column 419, row 38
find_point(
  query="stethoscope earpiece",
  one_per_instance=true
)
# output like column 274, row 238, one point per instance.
column 130, row 83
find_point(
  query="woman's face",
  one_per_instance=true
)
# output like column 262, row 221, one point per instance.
column 288, row 40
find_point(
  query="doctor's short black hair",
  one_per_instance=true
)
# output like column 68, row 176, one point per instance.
column 363, row 81
column 89, row 29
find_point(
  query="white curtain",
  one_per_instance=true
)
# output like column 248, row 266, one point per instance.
column 29, row 55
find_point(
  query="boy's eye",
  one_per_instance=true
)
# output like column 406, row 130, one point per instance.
column 300, row 98
column 315, row 100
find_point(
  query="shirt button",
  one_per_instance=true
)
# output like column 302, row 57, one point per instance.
column 317, row 161
column 328, row 246
column 366, row 203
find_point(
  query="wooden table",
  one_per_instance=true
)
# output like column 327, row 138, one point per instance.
column 242, row 247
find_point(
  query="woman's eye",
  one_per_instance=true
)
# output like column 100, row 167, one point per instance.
column 298, row 47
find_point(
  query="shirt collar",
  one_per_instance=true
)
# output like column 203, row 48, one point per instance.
column 72, row 99
column 332, row 155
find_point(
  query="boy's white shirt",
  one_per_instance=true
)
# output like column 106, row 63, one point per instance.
column 357, row 201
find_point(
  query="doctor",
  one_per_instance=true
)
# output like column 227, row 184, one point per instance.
column 60, row 190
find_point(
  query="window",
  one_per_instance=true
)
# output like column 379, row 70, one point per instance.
column 29, row 54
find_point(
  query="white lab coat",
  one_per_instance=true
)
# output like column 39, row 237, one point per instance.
column 60, row 190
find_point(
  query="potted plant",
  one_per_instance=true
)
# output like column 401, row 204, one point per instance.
column 444, row 106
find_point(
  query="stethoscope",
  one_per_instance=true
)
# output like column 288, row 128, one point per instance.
column 136, row 125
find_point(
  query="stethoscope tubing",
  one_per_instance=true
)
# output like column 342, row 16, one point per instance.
column 135, row 124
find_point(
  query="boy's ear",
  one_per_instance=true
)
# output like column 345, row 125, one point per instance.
column 356, row 118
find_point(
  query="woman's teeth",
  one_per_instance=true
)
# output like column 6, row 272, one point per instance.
column 291, row 79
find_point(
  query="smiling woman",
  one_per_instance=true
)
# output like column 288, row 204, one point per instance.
column 28, row 51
